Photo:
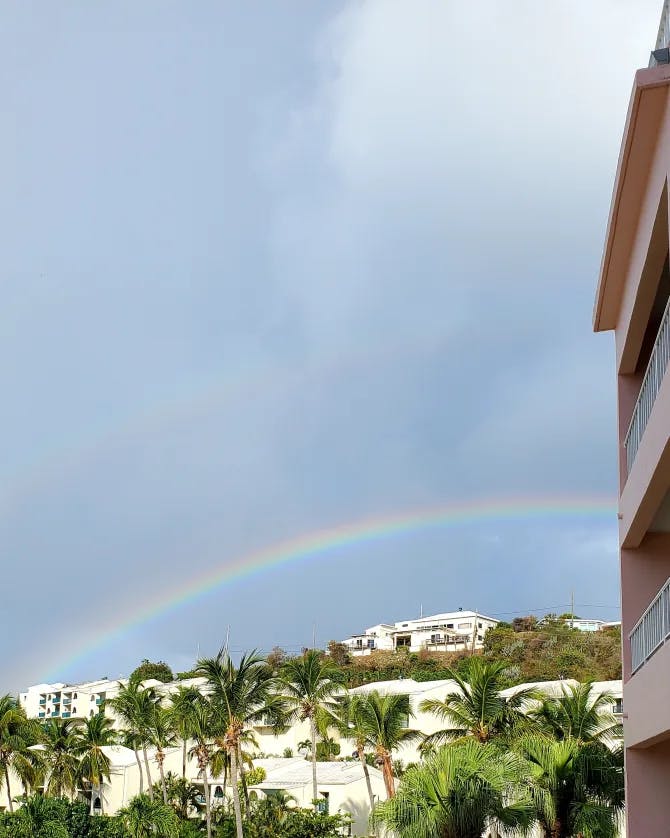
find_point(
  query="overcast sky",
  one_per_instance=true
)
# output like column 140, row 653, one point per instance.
column 269, row 267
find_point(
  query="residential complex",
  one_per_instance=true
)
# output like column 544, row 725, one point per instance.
column 633, row 301
column 451, row 632
column 341, row 784
column 64, row 701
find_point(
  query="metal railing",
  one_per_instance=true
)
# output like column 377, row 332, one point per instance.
column 652, row 629
column 651, row 384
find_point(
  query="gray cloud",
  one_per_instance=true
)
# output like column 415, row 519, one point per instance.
column 262, row 276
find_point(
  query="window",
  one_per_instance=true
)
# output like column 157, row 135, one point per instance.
column 618, row 707
column 479, row 625
column 218, row 792
column 450, row 625
column 436, row 638
column 371, row 643
column 480, row 637
column 465, row 625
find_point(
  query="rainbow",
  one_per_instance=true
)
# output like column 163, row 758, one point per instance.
column 325, row 542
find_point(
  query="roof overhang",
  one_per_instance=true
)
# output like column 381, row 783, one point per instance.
column 643, row 123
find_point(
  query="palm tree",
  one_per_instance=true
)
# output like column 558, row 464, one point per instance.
column 220, row 758
column 17, row 734
column 59, row 739
column 271, row 813
column 477, row 706
column 147, row 818
column 183, row 796
column 349, row 718
column 182, row 703
column 201, row 726
column 162, row 736
column 135, row 705
column 383, row 721
column 309, row 683
column 240, row 696
column 457, row 792
column 90, row 738
column 41, row 817
column 580, row 713
column 576, row 787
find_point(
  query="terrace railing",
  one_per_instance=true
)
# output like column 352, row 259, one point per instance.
column 651, row 384
column 652, row 629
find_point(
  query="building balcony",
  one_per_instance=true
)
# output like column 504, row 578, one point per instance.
column 43, row 701
column 651, row 630
column 651, row 384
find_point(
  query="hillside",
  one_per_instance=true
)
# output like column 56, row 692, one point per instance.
column 533, row 652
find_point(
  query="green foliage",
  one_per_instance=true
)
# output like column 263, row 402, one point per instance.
column 457, row 792
column 327, row 749
column 255, row 775
column 48, row 817
column 339, row 653
column 159, row 671
column 553, row 650
column 293, row 823
column 147, row 818
column 477, row 706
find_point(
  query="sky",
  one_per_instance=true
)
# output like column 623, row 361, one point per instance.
column 269, row 268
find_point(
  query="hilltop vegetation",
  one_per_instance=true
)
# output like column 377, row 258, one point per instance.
column 532, row 651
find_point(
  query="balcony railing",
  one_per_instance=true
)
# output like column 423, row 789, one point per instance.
column 652, row 629
column 651, row 384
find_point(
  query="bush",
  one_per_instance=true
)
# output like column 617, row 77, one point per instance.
column 160, row 671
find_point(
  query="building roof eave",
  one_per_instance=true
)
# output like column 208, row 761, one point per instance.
column 645, row 112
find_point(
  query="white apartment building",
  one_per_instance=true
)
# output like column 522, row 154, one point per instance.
column 454, row 631
column 65, row 701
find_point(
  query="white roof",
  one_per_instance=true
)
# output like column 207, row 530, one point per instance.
column 118, row 755
column 556, row 688
column 403, row 686
column 296, row 772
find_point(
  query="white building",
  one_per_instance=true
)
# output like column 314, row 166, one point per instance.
column 453, row 631
column 341, row 787
column 64, row 701
column 428, row 723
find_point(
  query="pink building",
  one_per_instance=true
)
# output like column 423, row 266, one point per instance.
column 633, row 300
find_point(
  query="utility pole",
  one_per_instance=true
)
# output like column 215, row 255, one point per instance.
column 572, row 609
column 314, row 636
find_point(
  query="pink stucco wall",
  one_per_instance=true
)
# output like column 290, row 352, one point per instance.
column 636, row 248
column 647, row 785
column 643, row 572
